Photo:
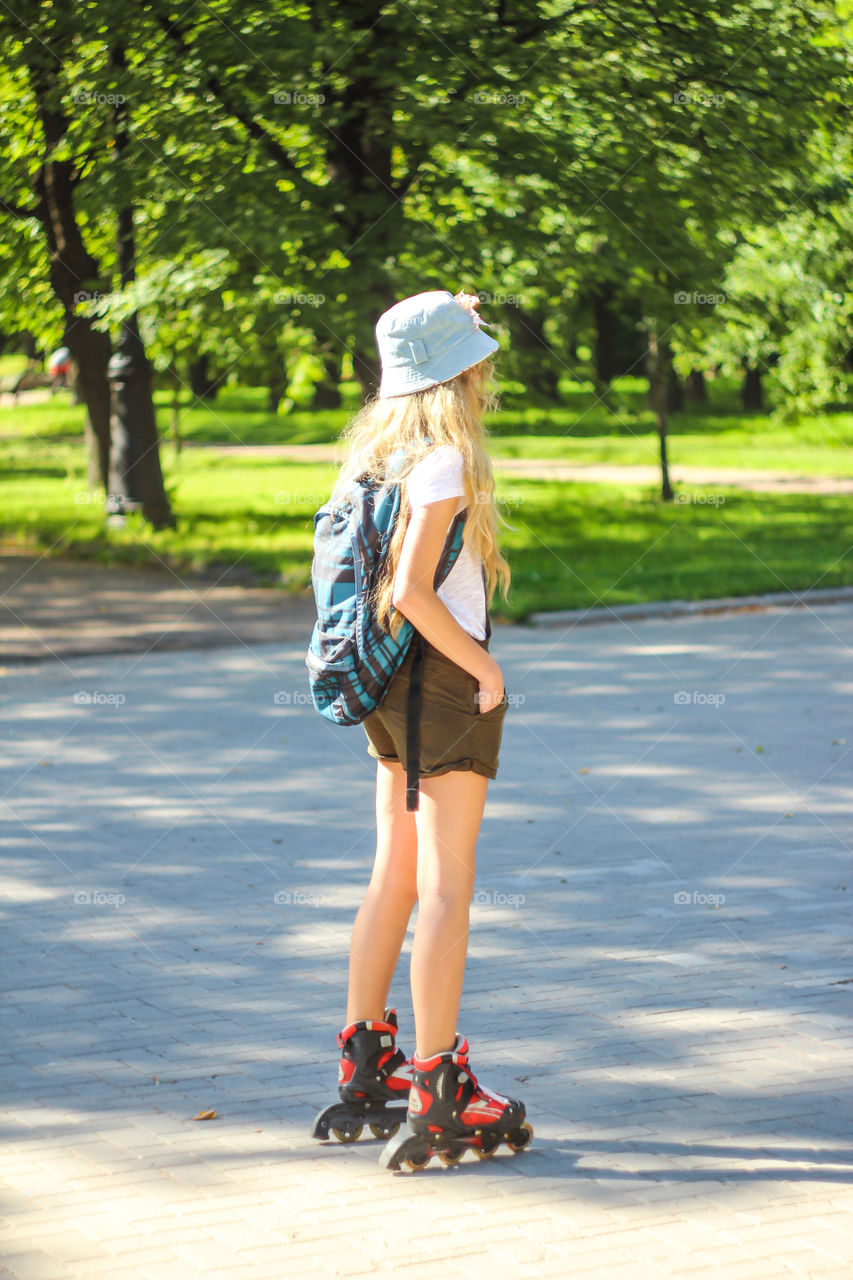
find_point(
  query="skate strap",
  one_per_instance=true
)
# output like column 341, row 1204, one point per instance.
column 413, row 724
column 392, row 1062
column 453, row 1089
column 385, row 1029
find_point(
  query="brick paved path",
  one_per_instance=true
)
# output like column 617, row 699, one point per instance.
column 56, row 608
column 661, row 965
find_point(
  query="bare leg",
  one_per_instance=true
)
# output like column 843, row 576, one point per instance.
column 448, row 823
column 383, row 917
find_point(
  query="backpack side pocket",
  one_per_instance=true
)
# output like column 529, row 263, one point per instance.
column 332, row 663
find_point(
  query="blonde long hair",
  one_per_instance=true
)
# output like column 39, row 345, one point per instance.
column 410, row 426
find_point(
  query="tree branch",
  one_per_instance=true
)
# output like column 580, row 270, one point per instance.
column 240, row 111
column 16, row 210
column 520, row 35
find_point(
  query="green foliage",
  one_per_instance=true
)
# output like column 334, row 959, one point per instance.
column 282, row 154
column 788, row 308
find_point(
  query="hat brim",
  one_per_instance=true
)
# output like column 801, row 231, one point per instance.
column 402, row 381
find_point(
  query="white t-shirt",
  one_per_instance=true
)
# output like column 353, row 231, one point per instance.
column 440, row 475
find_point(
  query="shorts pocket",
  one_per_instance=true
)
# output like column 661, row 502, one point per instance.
column 501, row 706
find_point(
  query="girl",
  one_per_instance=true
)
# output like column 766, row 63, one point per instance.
column 424, row 430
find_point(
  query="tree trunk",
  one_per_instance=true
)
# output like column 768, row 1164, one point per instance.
column 365, row 358
column 752, row 393
column 657, row 374
column 72, row 272
column 28, row 344
column 538, row 369
column 328, row 392
column 605, row 342
column 362, row 183
column 202, row 385
column 674, row 391
column 365, row 366
column 136, row 478
column 695, row 388
column 276, row 387
column 674, row 387
column 176, row 415
column 91, row 351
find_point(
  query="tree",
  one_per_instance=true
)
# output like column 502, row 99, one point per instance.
column 788, row 311
column 46, row 51
column 40, row 179
column 547, row 153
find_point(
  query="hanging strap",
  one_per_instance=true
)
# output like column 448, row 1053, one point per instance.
column 413, row 723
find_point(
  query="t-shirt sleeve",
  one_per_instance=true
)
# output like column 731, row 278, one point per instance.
column 439, row 475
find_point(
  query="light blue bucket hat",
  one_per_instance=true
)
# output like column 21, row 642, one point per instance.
column 429, row 338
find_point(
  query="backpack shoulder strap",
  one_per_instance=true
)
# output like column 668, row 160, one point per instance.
column 452, row 547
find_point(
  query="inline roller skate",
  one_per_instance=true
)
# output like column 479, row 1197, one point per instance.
column 449, row 1113
column 373, row 1074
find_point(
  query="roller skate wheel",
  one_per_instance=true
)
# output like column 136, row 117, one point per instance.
column 417, row 1159
column 384, row 1130
column 347, row 1134
column 489, row 1143
column 452, row 1155
column 520, row 1138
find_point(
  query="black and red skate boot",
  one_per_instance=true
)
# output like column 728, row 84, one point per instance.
column 449, row 1112
column 373, row 1074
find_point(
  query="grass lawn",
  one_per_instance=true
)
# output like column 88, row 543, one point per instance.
column 573, row 545
column 569, row 545
column 580, row 431
column 230, row 511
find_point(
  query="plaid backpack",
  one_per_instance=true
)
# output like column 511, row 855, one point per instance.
column 351, row 660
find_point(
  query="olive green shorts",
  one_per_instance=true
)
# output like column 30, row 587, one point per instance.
column 454, row 733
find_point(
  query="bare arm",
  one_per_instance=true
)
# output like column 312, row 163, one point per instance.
column 415, row 598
